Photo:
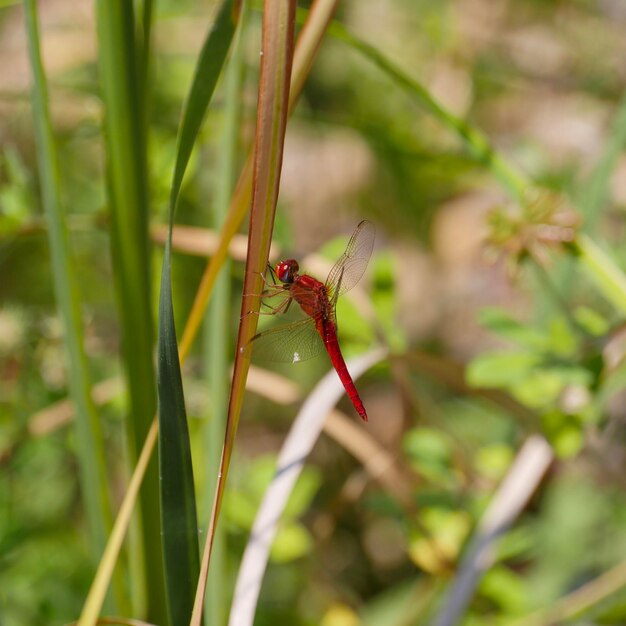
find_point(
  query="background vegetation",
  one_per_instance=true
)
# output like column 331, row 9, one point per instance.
column 485, row 140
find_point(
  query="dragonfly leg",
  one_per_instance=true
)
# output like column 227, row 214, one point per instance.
column 273, row 290
column 266, row 282
column 283, row 307
column 272, row 274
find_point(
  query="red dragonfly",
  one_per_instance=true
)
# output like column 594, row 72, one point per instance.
column 306, row 338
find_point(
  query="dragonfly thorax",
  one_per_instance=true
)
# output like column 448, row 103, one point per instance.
column 287, row 270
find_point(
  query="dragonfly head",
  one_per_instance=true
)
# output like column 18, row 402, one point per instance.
column 287, row 270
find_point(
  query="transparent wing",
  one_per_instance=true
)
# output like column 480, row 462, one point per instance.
column 292, row 343
column 348, row 270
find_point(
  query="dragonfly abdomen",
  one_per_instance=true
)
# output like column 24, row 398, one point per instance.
column 328, row 332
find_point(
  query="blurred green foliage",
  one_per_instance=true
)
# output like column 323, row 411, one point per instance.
column 542, row 80
column 244, row 497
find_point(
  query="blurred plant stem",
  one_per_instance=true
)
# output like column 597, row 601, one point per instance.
column 217, row 328
column 93, row 603
column 602, row 270
column 596, row 188
column 579, row 600
column 272, row 113
column 548, row 287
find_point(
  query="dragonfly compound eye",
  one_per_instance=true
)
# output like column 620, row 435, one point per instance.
column 286, row 270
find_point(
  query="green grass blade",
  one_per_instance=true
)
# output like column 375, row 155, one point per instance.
column 595, row 191
column 178, row 503
column 128, row 200
column 179, row 518
column 205, row 78
column 143, row 43
column 97, row 591
column 144, row 38
column 90, row 448
column 593, row 194
column 603, row 271
column 579, row 600
column 217, row 325
column 272, row 112
column 476, row 143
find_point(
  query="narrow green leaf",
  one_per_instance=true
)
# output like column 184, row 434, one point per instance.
column 178, row 504
column 122, row 92
column 90, row 449
column 207, row 72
